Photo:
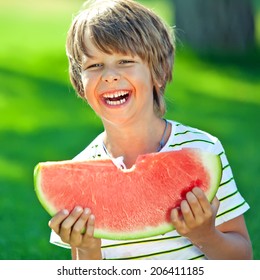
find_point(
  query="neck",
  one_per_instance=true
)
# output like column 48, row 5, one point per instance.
column 131, row 140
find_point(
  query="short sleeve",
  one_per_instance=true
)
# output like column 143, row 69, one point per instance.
column 56, row 240
column 232, row 204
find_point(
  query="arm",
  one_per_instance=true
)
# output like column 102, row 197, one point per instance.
column 70, row 227
column 231, row 241
column 196, row 220
column 83, row 254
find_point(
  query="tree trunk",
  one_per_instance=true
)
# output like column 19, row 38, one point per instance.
column 215, row 25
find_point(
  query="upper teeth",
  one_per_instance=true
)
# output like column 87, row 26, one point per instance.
column 115, row 94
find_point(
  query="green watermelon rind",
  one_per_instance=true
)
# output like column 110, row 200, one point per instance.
column 213, row 166
column 145, row 233
column 37, row 187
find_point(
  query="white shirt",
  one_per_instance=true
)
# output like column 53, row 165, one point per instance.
column 171, row 245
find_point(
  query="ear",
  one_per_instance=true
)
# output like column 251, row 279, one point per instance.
column 160, row 81
column 157, row 84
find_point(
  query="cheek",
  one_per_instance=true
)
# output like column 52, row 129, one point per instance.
column 145, row 81
column 142, row 77
column 89, row 87
column 86, row 82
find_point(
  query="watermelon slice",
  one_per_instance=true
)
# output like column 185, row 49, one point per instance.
column 128, row 203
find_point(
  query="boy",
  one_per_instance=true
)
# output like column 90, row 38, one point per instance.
column 121, row 57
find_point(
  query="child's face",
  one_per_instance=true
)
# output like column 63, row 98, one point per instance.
column 118, row 87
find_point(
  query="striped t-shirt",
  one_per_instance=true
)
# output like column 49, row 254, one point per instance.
column 171, row 245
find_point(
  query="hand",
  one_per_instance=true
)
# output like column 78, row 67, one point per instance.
column 195, row 219
column 76, row 228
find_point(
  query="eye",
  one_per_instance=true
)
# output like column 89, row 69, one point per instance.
column 126, row 61
column 95, row 65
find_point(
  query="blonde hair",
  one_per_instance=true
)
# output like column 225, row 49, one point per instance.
column 123, row 26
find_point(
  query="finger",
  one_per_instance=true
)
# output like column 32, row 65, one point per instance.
column 194, row 205
column 177, row 221
column 66, row 226
column 56, row 220
column 215, row 205
column 202, row 199
column 79, row 227
column 175, row 216
column 90, row 226
column 187, row 213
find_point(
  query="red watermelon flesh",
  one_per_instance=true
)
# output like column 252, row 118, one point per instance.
column 130, row 203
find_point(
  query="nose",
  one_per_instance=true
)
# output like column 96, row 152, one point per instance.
column 110, row 76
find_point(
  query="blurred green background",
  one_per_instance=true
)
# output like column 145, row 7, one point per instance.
column 41, row 119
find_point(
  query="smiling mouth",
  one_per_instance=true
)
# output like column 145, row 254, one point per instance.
column 116, row 98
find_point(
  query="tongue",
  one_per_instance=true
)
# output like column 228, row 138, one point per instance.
column 117, row 98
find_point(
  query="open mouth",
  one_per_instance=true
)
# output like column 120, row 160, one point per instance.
column 116, row 98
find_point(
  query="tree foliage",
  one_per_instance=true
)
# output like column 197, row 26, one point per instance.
column 215, row 25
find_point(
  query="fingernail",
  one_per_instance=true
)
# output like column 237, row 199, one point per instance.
column 65, row 212
column 78, row 209
column 86, row 211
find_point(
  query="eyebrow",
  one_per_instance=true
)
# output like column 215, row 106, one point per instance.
column 89, row 57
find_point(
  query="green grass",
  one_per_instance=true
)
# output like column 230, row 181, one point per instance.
column 41, row 119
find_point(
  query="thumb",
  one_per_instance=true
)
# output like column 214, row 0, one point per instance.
column 215, row 204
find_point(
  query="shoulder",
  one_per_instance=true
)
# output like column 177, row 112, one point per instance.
column 184, row 136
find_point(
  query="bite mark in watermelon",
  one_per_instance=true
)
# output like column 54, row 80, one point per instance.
column 130, row 203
